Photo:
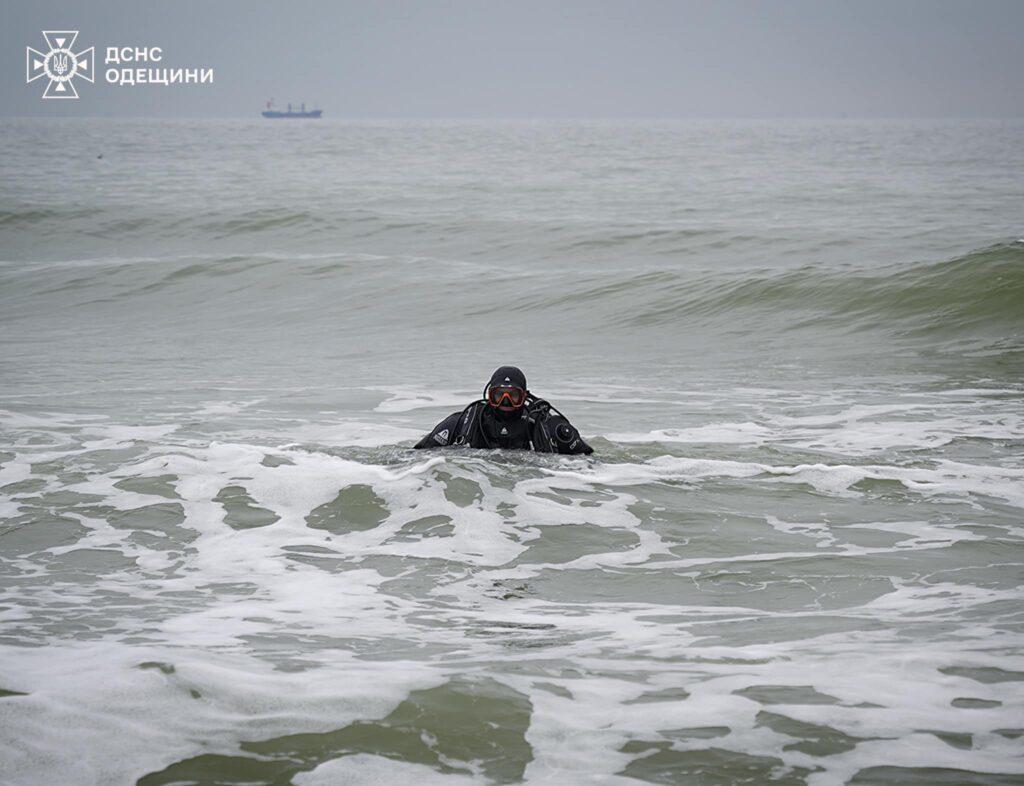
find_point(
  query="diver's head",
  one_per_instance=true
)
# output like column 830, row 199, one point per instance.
column 506, row 392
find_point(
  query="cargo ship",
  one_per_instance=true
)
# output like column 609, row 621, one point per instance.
column 301, row 112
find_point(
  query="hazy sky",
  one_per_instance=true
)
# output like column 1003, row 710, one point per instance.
column 516, row 58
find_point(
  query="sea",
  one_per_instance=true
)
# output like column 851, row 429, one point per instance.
column 796, row 555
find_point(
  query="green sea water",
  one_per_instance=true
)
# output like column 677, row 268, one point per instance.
column 795, row 556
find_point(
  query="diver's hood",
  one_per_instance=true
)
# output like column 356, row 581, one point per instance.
column 508, row 376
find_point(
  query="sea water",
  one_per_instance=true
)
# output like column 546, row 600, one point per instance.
column 795, row 557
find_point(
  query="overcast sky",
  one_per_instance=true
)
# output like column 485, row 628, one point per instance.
column 525, row 59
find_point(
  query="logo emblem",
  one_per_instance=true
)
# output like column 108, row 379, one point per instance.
column 60, row 65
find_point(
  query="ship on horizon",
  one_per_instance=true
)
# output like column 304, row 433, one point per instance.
column 301, row 112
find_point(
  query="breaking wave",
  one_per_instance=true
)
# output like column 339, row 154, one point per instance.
column 982, row 290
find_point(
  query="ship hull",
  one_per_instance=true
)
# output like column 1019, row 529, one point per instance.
column 275, row 115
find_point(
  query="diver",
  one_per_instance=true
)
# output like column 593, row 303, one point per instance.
column 508, row 416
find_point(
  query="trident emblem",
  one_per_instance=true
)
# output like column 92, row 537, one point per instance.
column 61, row 65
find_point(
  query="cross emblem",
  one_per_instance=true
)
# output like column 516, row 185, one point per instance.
column 60, row 65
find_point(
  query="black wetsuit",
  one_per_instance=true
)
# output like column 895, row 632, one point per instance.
column 537, row 426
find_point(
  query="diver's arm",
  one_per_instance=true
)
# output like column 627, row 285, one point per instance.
column 573, row 443
column 582, row 448
column 553, row 433
column 442, row 434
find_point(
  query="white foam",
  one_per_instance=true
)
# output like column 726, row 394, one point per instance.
column 222, row 408
column 711, row 433
column 228, row 605
column 93, row 716
column 859, row 430
column 365, row 769
column 409, row 400
column 817, row 529
column 946, row 479
column 354, row 434
column 113, row 434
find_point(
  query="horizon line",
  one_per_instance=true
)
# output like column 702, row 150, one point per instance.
column 521, row 118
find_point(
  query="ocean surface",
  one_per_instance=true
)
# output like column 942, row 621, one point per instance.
column 795, row 557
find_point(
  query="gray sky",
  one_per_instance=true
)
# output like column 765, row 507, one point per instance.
column 524, row 59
